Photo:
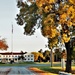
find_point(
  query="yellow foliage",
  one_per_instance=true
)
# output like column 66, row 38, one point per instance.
column 50, row 1
column 69, row 23
column 53, row 42
column 47, row 8
column 73, row 20
column 72, row 1
column 36, row 55
column 40, row 3
column 65, row 38
column 50, row 31
column 66, row 13
column 71, row 12
column 63, row 18
column 48, row 20
column 65, row 7
column 53, row 33
column 74, row 24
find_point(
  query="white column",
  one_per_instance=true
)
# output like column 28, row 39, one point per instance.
column 63, row 63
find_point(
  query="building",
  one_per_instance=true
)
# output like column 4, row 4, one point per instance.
column 29, row 57
column 9, row 56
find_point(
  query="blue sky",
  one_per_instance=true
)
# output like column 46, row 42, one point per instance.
column 8, row 11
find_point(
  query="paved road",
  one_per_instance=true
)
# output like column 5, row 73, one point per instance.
column 16, row 70
column 19, row 70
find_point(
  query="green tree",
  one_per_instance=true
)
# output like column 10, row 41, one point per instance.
column 22, row 55
column 55, row 18
column 40, row 51
column 57, row 55
column 46, row 54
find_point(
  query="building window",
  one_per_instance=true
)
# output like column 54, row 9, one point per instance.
column 31, row 55
column 25, row 55
column 9, row 55
column 28, row 55
column 16, row 59
column 12, row 56
column 31, row 59
column 16, row 56
column 28, row 59
column 9, row 59
column 4, row 56
column 24, row 59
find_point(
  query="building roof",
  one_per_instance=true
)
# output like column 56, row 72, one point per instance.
column 10, row 53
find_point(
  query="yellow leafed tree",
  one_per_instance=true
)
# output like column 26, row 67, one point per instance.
column 49, row 15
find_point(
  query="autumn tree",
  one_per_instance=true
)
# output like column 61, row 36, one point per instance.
column 55, row 18
column 3, row 44
column 38, row 56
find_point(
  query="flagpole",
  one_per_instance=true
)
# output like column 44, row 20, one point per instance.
column 12, row 41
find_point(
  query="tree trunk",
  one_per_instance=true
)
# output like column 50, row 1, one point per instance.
column 52, row 58
column 69, row 59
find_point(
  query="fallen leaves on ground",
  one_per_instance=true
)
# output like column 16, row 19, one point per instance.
column 40, row 71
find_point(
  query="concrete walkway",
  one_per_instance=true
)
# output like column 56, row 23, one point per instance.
column 4, row 71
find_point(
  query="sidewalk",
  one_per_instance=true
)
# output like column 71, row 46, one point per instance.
column 40, row 72
column 4, row 71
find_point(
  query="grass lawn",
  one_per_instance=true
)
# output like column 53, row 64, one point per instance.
column 55, row 69
column 17, row 64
